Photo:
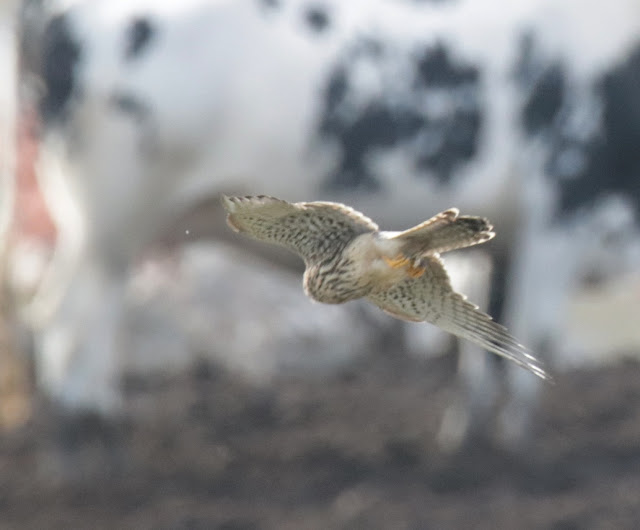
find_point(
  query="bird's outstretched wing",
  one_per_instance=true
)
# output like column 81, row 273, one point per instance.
column 314, row 230
column 431, row 298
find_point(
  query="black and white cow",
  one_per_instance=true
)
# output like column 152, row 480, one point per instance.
column 526, row 112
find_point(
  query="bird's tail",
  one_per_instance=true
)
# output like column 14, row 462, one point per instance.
column 444, row 232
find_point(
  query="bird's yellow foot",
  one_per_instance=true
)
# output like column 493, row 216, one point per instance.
column 396, row 263
column 414, row 269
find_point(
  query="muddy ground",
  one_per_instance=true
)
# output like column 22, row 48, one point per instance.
column 355, row 450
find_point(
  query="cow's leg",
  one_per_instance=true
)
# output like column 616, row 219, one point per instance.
column 99, row 210
column 541, row 277
column 469, row 416
column 79, row 336
column 76, row 349
column 77, row 357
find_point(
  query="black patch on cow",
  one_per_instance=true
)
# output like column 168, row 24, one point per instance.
column 544, row 86
column 585, row 165
column 460, row 129
column 460, row 141
column 441, row 141
column 60, row 57
column 436, row 69
column 336, row 90
column 376, row 126
column 317, row 19
column 130, row 105
column 586, row 160
column 613, row 155
column 139, row 35
column 545, row 101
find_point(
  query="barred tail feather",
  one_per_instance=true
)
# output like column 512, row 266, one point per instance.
column 445, row 232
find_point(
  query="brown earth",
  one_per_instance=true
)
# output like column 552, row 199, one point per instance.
column 356, row 450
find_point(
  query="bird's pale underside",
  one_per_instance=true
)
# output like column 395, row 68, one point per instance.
column 348, row 257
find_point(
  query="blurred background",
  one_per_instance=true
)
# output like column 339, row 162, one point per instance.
column 213, row 393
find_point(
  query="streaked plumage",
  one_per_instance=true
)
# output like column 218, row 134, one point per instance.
column 347, row 257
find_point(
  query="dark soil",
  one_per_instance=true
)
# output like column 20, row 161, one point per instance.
column 356, row 450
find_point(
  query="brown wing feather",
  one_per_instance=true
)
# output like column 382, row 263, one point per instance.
column 314, row 230
column 431, row 298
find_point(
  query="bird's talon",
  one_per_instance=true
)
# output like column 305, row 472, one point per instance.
column 397, row 262
column 416, row 271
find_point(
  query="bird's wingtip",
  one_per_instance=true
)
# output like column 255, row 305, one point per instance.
column 229, row 203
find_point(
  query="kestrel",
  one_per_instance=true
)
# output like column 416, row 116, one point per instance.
column 348, row 257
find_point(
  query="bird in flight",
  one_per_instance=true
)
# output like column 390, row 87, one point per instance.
column 347, row 257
